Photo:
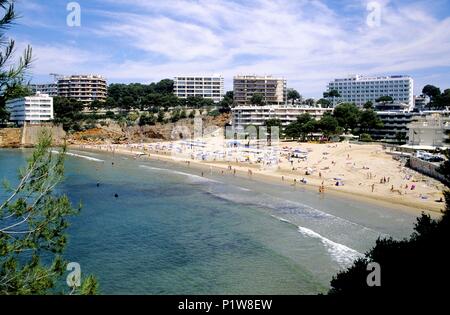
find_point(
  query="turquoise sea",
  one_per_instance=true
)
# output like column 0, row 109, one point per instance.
column 171, row 231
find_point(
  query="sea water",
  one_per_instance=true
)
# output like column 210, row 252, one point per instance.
column 172, row 231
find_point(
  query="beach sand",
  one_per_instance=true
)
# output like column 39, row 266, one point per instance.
column 365, row 172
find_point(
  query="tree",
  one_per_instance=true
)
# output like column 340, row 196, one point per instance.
column 347, row 115
column 385, row 99
column 193, row 101
column 369, row 120
column 68, row 112
column 11, row 75
column 332, row 94
column 368, row 105
column 300, row 128
column 147, row 119
column 33, row 221
column 431, row 91
column 4, row 115
column 409, row 266
column 164, row 86
column 309, row 102
column 257, row 99
column 324, row 103
column 175, row 115
column 227, row 102
column 293, row 95
column 328, row 125
column 438, row 100
column 96, row 105
column 160, row 117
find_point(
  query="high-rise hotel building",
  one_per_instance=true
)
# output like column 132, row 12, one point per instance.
column 84, row 88
column 206, row 87
column 273, row 90
column 360, row 89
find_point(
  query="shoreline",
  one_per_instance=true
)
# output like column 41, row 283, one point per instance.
column 222, row 168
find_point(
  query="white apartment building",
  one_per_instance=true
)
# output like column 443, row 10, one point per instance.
column 206, row 87
column 31, row 109
column 360, row 89
column 243, row 116
column 84, row 88
column 273, row 90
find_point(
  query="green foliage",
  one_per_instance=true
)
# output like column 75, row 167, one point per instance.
column 385, row 99
column 409, row 266
column 304, row 125
column 293, row 95
column 183, row 114
column 431, row 91
column 369, row 120
column 365, row 137
column 4, row 115
column 141, row 96
column 438, row 100
column 227, row 102
column 192, row 114
column 324, row 103
column 214, row 113
column 347, row 115
column 328, row 125
column 175, row 115
column 12, row 75
column 309, row 102
column 368, row 105
column 160, row 117
column 96, row 105
column 147, row 119
column 110, row 115
column 33, row 221
column 257, row 99
column 331, row 94
column 68, row 112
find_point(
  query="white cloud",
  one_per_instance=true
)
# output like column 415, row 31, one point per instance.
column 307, row 42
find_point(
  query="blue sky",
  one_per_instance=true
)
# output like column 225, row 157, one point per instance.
column 307, row 42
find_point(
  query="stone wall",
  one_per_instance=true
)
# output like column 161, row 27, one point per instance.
column 10, row 137
column 28, row 135
column 426, row 168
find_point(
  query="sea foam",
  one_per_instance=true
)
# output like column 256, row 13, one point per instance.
column 192, row 177
column 90, row 158
column 342, row 254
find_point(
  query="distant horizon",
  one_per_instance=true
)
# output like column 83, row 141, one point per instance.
column 309, row 43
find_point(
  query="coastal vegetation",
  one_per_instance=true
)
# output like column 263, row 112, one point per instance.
column 438, row 100
column 32, row 219
column 345, row 117
column 407, row 266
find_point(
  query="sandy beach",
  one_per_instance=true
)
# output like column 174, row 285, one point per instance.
column 363, row 172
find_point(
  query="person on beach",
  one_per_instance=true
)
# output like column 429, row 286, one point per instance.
column 373, row 187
